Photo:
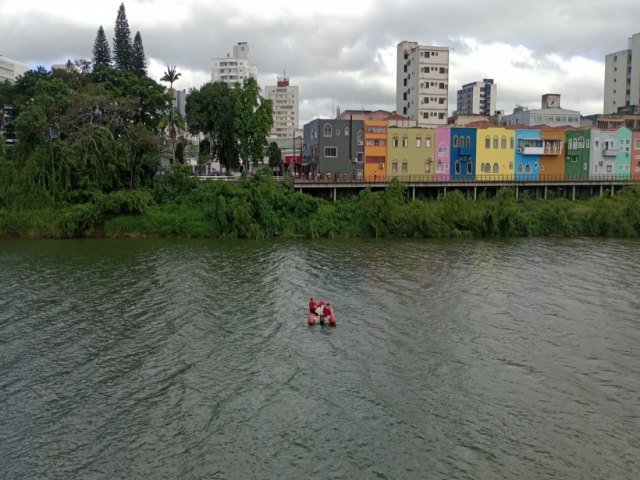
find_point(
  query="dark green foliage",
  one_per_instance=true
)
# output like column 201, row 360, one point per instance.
column 236, row 120
column 275, row 155
column 122, row 47
column 101, row 50
column 139, row 60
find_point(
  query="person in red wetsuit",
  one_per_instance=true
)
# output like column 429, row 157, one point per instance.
column 312, row 305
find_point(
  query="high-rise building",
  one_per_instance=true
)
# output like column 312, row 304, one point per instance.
column 11, row 70
column 477, row 98
column 285, row 100
column 422, row 83
column 236, row 68
column 622, row 77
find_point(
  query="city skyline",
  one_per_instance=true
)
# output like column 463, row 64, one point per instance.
column 345, row 55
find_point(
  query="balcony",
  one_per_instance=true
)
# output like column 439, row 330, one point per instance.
column 609, row 152
column 531, row 150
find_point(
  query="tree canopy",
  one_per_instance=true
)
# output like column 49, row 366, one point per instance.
column 79, row 134
column 122, row 47
column 101, row 50
column 236, row 120
column 139, row 64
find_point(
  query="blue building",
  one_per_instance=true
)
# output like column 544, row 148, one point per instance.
column 463, row 154
column 529, row 147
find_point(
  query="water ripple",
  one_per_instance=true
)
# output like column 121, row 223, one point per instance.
column 175, row 359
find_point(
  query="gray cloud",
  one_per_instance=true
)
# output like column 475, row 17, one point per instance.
column 337, row 61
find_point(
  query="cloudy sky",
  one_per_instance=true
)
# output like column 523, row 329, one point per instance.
column 343, row 53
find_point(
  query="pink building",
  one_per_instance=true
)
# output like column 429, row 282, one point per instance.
column 443, row 153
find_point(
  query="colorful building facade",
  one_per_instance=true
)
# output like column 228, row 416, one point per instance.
column 375, row 150
column 443, row 154
column 463, row 154
column 494, row 157
column 529, row 147
column 578, row 148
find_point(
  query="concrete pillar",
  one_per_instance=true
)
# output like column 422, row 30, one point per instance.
column 335, row 193
column 613, row 190
column 475, row 193
column 414, row 193
column 601, row 190
column 545, row 192
column 445, row 192
column 573, row 194
column 517, row 191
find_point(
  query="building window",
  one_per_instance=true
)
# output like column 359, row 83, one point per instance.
column 405, row 141
column 511, row 143
column 327, row 130
column 495, row 142
column 346, row 131
column 455, row 140
column 418, row 141
column 442, row 151
column 527, row 168
column 510, row 165
column 496, row 168
column 581, row 142
column 337, row 132
column 427, row 142
column 395, row 141
column 503, row 142
column 427, row 166
column 405, row 167
column 519, row 168
column 637, row 143
column 457, row 167
column 330, row 152
column 394, row 167
column 469, row 167
column 609, row 169
column 487, row 142
column 360, row 137
column 469, row 142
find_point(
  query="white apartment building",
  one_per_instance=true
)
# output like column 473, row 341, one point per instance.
column 622, row 77
column 11, row 70
column 422, row 83
column 236, row 68
column 477, row 98
column 285, row 100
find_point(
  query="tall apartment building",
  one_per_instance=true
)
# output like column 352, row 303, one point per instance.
column 236, row 68
column 622, row 77
column 422, row 83
column 11, row 70
column 285, row 100
column 477, row 98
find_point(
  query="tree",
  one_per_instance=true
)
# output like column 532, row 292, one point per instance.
column 275, row 156
column 170, row 76
column 101, row 51
column 253, row 121
column 210, row 111
column 122, row 48
column 139, row 64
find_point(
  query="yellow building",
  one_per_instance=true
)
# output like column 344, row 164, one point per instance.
column 410, row 152
column 375, row 150
column 495, row 153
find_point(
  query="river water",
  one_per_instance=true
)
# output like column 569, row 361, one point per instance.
column 153, row 359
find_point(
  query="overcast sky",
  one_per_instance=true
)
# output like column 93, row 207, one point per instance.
column 343, row 53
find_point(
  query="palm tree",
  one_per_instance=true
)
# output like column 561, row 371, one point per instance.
column 171, row 75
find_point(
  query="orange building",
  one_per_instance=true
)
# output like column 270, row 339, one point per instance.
column 375, row 150
column 553, row 156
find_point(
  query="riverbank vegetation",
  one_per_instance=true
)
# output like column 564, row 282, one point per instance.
column 179, row 205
